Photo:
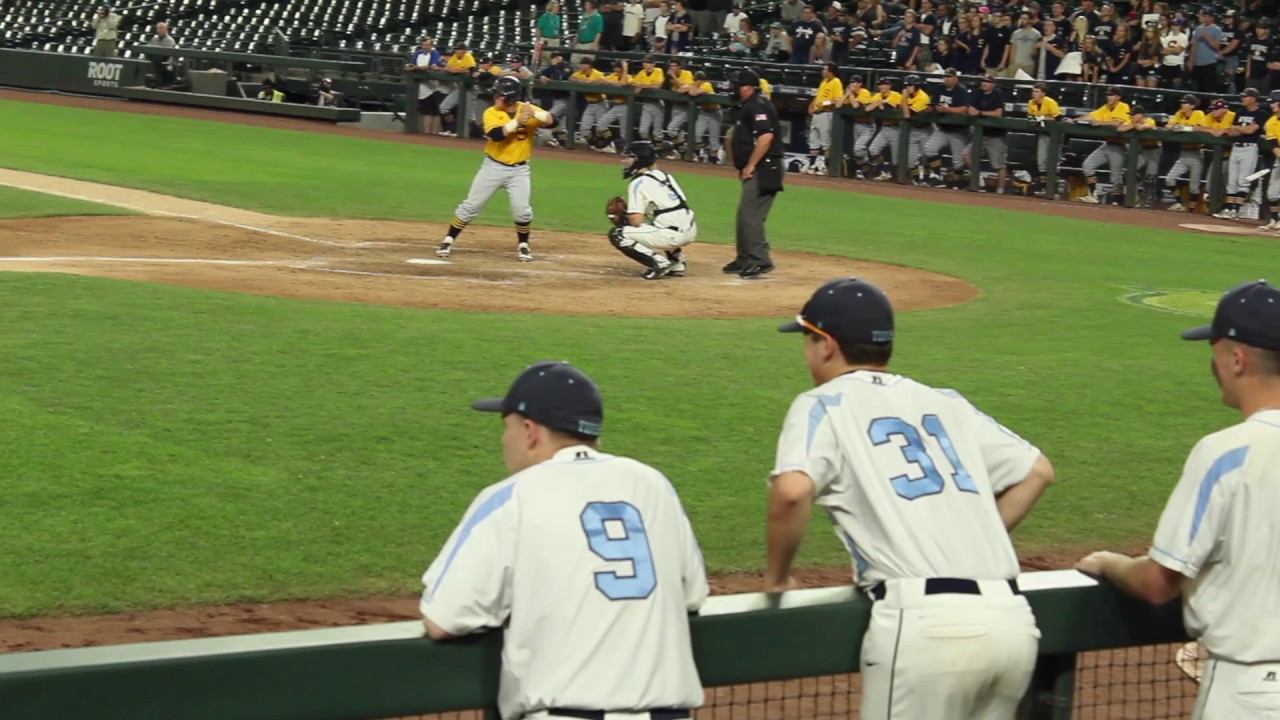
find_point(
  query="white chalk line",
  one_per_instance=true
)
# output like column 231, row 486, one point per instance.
column 99, row 258
column 241, row 226
column 408, row 277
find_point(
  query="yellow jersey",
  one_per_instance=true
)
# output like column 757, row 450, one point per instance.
column 1195, row 119
column 648, row 78
column 829, row 91
column 919, row 102
column 893, row 99
column 1046, row 107
column 1271, row 130
column 684, row 78
column 707, row 89
column 466, row 62
column 592, row 76
column 1227, row 120
column 1146, row 123
column 766, row 89
column 1106, row 113
column 516, row 147
column 618, row 78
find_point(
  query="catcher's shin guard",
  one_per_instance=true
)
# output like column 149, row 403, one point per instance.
column 640, row 254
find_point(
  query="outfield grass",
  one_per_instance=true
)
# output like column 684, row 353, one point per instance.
column 175, row 446
column 16, row 203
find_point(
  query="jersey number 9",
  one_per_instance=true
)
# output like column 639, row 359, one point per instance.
column 615, row 532
column 883, row 430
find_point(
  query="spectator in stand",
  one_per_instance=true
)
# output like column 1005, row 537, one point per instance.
column 612, row 13
column 1024, row 41
column 652, row 9
column 872, row 16
column 1206, row 43
column 700, row 11
column 550, row 25
column 744, row 40
column 1148, row 57
column 106, row 26
column 1234, row 38
column 590, row 29
column 968, row 47
column 1058, row 14
column 1119, row 58
column 1052, row 48
column 718, row 22
column 269, row 92
column 1273, row 66
column 661, row 35
column 995, row 54
column 733, row 21
column 804, row 34
column 429, row 94
column 840, row 31
column 1089, row 14
column 680, row 30
column 927, row 23
column 775, row 49
column 907, row 44
column 1261, row 45
column 165, row 67
column 1105, row 29
column 1175, row 42
column 1092, row 61
column 633, row 25
column 945, row 56
column 790, row 10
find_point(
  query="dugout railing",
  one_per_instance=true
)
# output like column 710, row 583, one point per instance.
column 391, row 670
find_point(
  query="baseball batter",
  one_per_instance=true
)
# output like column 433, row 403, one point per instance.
column 864, row 128
column 510, row 127
column 1190, row 162
column 830, row 90
column 659, row 221
column 1245, row 133
column 651, row 111
column 586, row 559
column 1216, row 541
column 952, row 99
column 1042, row 109
column 1112, row 152
column 1271, row 136
column 922, row 489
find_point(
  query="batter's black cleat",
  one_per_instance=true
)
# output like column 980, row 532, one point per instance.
column 733, row 268
column 754, row 270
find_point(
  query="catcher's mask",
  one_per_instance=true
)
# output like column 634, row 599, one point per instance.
column 644, row 156
column 507, row 87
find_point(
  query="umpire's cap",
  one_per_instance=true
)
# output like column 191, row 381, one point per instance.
column 507, row 87
column 555, row 394
column 1249, row 313
column 847, row 310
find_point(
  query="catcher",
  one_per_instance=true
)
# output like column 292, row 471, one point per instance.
column 654, row 222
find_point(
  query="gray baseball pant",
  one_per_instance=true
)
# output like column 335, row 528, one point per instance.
column 1190, row 163
column 492, row 177
column 1244, row 160
column 679, row 116
column 862, row 135
column 1111, row 155
column 590, row 117
column 953, row 141
column 753, row 212
column 708, row 128
column 820, row 131
column 615, row 114
column 650, row 120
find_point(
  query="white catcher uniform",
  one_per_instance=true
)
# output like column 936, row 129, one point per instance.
column 669, row 221
column 597, row 559
column 908, row 475
column 1219, row 530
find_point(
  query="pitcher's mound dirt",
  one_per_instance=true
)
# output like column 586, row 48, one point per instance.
column 370, row 261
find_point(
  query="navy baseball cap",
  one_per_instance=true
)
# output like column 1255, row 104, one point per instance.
column 1249, row 313
column 555, row 394
column 849, row 310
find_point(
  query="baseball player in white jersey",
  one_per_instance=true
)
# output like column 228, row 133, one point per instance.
column 659, row 220
column 1218, row 541
column 586, row 559
column 923, row 489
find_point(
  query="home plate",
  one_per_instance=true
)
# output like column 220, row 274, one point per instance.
column 426, row 261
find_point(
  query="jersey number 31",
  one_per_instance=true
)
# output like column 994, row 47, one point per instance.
column 615, row 532
column 884, row 430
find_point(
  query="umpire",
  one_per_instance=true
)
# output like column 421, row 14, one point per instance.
column 755, row 148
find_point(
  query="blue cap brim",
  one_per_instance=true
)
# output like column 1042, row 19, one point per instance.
column 1204, row 332
column 793, row 326
column 488, row 405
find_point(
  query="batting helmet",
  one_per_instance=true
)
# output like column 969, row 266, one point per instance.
column 644, row 156
column 507, row 87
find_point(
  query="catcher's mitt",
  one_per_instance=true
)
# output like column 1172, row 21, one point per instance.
column 616, row 211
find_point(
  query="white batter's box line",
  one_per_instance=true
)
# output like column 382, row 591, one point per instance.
column 371, row 273
column 100, row 258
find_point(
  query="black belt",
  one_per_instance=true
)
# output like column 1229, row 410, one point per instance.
column 523, row 162
column 660, row 714
column 945, row 586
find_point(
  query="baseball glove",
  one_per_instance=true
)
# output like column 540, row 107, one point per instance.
column 616, row 211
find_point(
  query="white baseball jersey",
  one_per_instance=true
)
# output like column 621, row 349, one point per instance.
column 655, row 194
column 590, row 562
column 1220, row 530
column 908, row 475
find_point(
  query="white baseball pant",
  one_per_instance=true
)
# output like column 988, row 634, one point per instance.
column 947, row 656
column 1190, row 163
column 1273, row 185
column 1234, row 691
column 820, row 131
column 659, row 239
column 1244, row 160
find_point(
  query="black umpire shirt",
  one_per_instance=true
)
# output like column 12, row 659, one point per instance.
column 756, row 117
column 983, row 101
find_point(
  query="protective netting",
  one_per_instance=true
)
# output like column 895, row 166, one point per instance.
column 1138, row 683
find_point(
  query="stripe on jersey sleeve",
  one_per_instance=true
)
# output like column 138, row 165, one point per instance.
column 817, row 413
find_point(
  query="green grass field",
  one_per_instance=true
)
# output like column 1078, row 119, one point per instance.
column 23, row 203
column 172, row 446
